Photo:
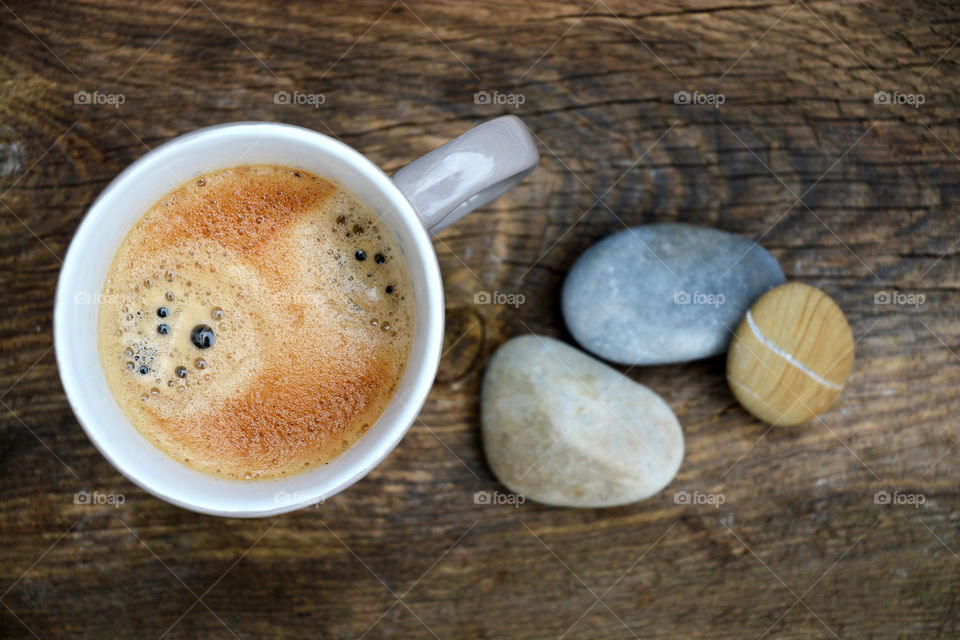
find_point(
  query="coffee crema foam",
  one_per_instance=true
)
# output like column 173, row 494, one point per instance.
column 309, row 303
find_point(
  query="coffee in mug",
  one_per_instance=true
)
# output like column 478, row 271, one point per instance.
column 256, row 321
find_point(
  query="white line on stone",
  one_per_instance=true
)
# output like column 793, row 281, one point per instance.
column 789, row 358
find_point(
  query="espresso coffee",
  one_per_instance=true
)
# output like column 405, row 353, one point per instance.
column 256, row 321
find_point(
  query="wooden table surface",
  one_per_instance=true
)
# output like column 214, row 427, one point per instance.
column 854, row 194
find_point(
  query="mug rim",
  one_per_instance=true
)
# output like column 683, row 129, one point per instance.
column 424, row 369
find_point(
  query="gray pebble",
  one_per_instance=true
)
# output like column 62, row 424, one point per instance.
column 664, row 293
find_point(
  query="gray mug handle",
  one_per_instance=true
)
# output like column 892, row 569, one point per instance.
column 469, row 171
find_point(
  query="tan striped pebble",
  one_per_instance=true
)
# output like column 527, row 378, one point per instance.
column 791, row 355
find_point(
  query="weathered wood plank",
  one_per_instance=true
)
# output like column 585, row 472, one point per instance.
column 878, row 213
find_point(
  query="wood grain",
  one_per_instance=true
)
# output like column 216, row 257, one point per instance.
column 852, row 196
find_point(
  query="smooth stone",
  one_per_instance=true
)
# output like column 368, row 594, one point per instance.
column 791, row 356
column 564, row 429
column 652, row 294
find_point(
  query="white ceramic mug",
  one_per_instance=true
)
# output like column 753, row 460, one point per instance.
column 421, row 198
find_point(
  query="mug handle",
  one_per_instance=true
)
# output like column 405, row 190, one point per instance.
column 468, row 172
